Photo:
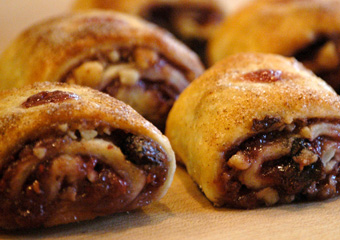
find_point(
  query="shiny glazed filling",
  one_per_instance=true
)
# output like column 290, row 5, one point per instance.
column 139, row 77
column 298, row 162
column 322, row 56
column 77, row 172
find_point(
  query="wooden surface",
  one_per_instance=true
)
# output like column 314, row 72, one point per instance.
column 184, row 213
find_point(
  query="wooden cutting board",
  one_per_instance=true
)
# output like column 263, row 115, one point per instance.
column 184, row 213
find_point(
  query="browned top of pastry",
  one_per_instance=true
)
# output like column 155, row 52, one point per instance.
column 275, row 26
column 46, row 46
column 248, row 86
column 26, row 112
column 217, row 111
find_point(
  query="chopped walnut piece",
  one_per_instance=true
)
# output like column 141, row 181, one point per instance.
column 305, row 158
column 129, row 76
column 88, row 134
column 145, row 58
column 39, row 152
column 107, row 131
column 239, row 161
column 327, row 57
column 114, row 56
column 89, row 74
column 269, row 195
column 63, row 127
column 72, row 135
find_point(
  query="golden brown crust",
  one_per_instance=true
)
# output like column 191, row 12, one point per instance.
column 132, row 60
column 22, row 123
column 137, row 7
column 216, row 112
column 47, row 50
column 17, row 121
column 272, row 26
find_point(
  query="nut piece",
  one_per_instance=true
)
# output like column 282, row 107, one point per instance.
column 327, row 57
column 269, row 195
column 88, row 134
column 39, row 152
column 239, row 161
column 72, row 135
column 305, row 158
column 63, row 127
column 89, row 74
column 114, row 56
column 145, row 58
column 129, row 76
column 107, row 131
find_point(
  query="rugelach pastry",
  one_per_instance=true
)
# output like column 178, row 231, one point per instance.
column 192, row 21
column 308, row 30
column 257, row 130
column 71, row 153
column 124, row 56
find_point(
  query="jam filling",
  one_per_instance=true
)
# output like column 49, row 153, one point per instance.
column 42, row 180
column 294, row 171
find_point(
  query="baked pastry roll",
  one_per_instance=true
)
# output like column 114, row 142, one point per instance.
column 71, row 153
column 124, row 56
column 308, row 30
column 258, row 130
column 192, row 21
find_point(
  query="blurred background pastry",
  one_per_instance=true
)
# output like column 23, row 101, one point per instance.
column 191, row 21
column 121, row 55
column 308, row 30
